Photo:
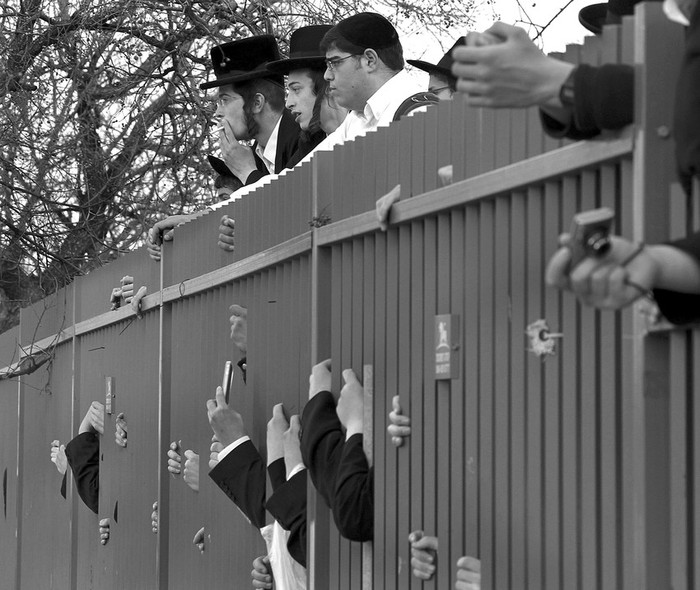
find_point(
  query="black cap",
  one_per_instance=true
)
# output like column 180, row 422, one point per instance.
column 368, row 30
column 242, row 60
column 304, row 51
column 444, row 66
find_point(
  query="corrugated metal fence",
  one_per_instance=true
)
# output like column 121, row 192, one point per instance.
column 573, row 472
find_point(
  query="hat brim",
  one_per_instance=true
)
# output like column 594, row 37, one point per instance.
column 432, row 69
column 252, row 75
column 284, row 66
column 593, row 17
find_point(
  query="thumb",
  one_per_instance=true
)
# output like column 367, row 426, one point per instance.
column 266, row 559
column 220, row 399
column 190, row 454
column 349, row 377
column 395, row 404
column 294, row 424
column 63, row 447
column 278, row 412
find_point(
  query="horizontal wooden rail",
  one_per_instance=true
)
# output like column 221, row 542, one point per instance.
column 560, row 162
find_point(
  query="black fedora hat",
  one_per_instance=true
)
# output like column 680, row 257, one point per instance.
column 304, row 51
column 244, row 59
column 593, row 17
column 444, row 66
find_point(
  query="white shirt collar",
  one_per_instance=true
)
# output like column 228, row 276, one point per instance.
column 269, row 154
column 385, row 97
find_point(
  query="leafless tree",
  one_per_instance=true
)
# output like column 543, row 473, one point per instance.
column 103, row 126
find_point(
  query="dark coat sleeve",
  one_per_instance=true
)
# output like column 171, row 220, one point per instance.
column 603, row 99
column 681, row 308
column 288, row 507
column 83, row 454
column 63, row 485
column 261, row 170
column 241, row 476
column 338, row 469
column 322, row 441
column 353, row 510
column 687, row 108
column 277, row 472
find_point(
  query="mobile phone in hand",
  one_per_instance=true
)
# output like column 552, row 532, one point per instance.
column 590, row 234
column 228, row 379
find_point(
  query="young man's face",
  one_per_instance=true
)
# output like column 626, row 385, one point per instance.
column 440, row 87
column 230, row 108
column 300, row 97
column 346, row 79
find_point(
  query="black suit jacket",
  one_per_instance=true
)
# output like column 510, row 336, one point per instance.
column 287, row 144
column 241, row 476
column 681, row 308
column 338, row 468
column 83, row 454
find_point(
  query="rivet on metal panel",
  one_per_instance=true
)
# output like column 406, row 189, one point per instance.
column 181, row 289
column 542, row 341
column 663, row 131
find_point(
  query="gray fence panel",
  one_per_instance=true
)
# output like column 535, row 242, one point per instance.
column 46, row 405
column 555, row 473
column 9, row 427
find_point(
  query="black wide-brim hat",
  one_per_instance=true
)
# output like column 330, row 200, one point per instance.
column 304, row 51
column 444, row 66
column 244, row 59
column 595, row 16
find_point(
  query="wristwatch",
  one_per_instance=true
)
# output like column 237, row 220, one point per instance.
column 566, row 92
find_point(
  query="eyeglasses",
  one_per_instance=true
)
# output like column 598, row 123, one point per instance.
column 332, row 64
column 439, row 89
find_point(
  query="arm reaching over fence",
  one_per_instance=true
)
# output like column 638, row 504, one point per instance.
column 502, row 67
column 164, row 231
column 629, row 270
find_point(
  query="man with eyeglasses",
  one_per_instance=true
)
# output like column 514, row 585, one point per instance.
column 365, row 74
column 442, row 82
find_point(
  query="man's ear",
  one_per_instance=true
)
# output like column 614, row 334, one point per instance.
column 259, row 101
column 372, row 58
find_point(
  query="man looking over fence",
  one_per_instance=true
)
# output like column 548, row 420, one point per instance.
column 365, row 74
column 442, row 82
column 250, row 107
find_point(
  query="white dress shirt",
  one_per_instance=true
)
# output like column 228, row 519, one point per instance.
column 379, row 110
column 269, row 154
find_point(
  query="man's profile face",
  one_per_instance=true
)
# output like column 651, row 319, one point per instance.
column 300, row 97
column 229, row 107
column 440, row 87
column 346, row 79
